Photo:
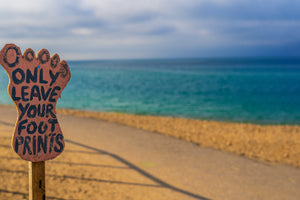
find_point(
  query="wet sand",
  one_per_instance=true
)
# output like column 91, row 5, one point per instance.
column 105, row 160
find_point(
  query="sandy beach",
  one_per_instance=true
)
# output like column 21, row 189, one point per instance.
column 155, row 100
column 268, row 143
column 107, row 160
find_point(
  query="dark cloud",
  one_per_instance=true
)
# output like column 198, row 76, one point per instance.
column 163, row 28
column 140, row 17
column 247, row 10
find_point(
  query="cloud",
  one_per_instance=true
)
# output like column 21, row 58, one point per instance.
column 93, row 29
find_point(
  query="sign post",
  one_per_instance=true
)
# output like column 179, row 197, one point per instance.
column 37, row 188
column 35, row 84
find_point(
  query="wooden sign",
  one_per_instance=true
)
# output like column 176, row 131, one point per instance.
column 35, row 84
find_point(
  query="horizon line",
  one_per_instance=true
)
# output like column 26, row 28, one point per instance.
column 187, row 58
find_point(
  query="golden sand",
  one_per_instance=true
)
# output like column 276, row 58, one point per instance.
column 78, row 174
column 84, row 173
column 268, row 143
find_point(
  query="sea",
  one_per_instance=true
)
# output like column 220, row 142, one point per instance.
column 247, row 90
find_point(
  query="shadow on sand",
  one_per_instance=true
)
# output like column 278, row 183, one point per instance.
column 25, row 195
column 160, row 182
column 128, row 165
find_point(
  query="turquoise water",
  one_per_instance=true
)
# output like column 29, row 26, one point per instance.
column 264, row 91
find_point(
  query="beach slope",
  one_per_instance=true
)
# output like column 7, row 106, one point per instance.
column 104, row 160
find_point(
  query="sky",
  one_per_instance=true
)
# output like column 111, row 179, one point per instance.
column 133, row 29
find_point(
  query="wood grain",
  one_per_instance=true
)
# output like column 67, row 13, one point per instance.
column 37, row 189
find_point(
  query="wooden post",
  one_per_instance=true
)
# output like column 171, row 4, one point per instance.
column 37, row 190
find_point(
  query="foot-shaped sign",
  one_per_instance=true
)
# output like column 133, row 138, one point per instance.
column 35, row 84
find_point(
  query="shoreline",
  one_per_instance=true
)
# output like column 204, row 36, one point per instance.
column 266, row 143
column 179, row 117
